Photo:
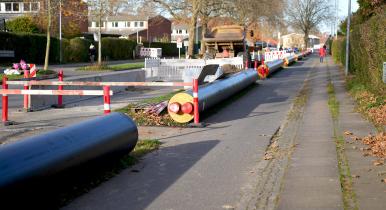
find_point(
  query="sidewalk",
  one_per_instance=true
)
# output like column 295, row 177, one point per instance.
column 312, row 180
column 312, row 177
column 370, row 191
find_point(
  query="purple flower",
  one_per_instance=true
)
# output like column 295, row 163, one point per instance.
column 22, row 62
column 16, row 66
column 24, row 66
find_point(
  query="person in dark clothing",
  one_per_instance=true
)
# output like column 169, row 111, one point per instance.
column 92, row 53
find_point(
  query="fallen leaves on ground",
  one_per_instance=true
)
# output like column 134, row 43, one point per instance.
column 377, row 144
column 378, row 114
column 348, row 133
column 378, row 162
column 371, row 105
column 268, row 156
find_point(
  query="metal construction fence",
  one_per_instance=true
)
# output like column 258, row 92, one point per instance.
column 177, row 69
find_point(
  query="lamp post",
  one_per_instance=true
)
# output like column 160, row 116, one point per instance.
column 60, row 32
column 348, row 38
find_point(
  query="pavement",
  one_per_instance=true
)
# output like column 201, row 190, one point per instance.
column 370, row 192
column 312, row 178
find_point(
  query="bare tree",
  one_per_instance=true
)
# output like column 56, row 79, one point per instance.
column 101, row 9
column 48, row 44
column 209, row 8
column 179, row 10
column 306, row 15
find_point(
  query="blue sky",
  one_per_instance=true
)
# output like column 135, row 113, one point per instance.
column 342, row 12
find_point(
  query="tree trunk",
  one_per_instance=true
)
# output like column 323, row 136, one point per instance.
column 100, row 35
column 46, row 59
column 204, row 28
column 306, row 39
column 192, row 26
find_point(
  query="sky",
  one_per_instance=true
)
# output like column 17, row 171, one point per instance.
column 342, row 11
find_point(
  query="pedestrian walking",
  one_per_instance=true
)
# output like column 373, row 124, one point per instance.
column 322, row 53
column 92, row 53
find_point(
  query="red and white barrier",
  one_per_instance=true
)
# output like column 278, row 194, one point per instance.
column 106, row 100
column 26, row 87
column 53, row 92
column 195, row 101
column 60, row 87
column 4, row 115
column 5, row 92
column 79, row 83
column 33, row 70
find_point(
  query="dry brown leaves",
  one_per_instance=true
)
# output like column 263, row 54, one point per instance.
column 377, row 144
column 378, row 114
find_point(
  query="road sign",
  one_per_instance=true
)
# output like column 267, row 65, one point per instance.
column 186, row 43
column 179, row 42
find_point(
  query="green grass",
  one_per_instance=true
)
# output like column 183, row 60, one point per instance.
column 160, row 99
column 333, row 103
column 348, row 193
column 117, row 67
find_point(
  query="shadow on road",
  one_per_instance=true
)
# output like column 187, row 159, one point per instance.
column 138, row 187
column 132, row 188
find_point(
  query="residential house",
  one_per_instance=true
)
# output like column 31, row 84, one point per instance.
column 10, row 9
column 75, row 12
column 295, row 40
column 134, row 27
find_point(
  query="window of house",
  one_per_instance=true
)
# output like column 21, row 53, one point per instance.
column 97, row 24
column 16, row 7
column 141, row 24
column 135, row 24
column 115, row 24
column 127, row 24
column 8, row 7
column 27, row 7
column 35, row 6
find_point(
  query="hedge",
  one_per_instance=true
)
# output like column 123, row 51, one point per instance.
column 75, row 50
column 29, row 47
column 168, row 49
column 117, row 49
column 367, row 52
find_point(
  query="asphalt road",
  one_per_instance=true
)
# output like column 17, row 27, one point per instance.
column 206, row 168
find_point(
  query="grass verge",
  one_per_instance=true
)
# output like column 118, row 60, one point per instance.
column 117, row 67
column 349, row 196
column 299, row 102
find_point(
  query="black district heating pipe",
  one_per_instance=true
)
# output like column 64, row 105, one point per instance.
column 47, row 154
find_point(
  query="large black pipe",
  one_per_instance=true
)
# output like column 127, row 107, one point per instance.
column 58, row 150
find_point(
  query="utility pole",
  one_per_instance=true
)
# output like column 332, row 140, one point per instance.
column 336, row 18
column 348, row 38
column 60, row 32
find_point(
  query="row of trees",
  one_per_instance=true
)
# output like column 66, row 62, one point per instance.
column 267, row 15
